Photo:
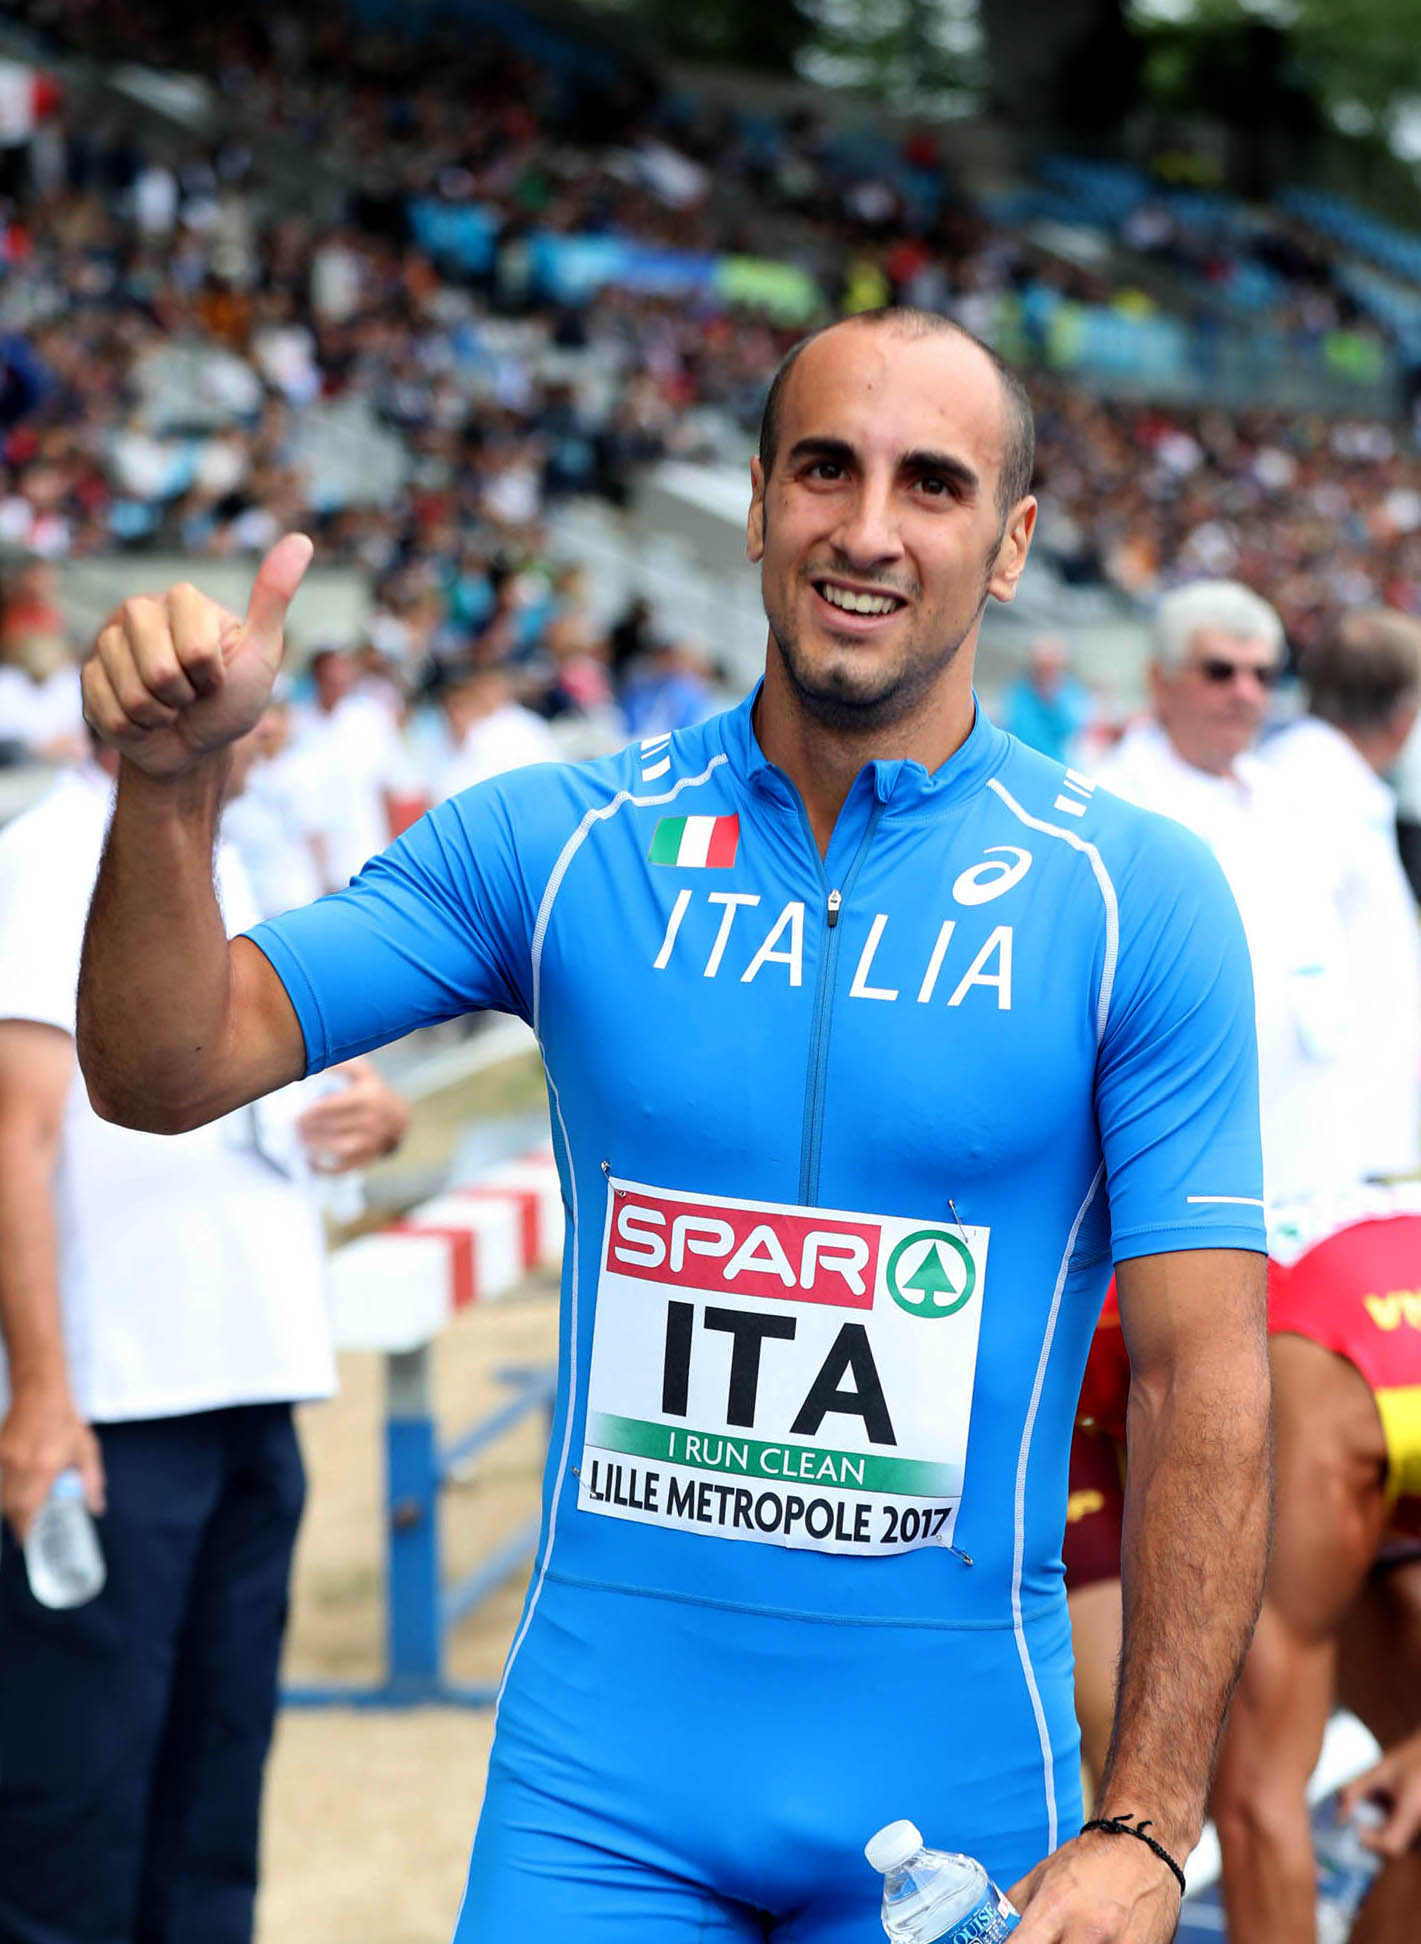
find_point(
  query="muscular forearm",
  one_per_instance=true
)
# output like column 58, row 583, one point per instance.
column 154, row 984
column 1195, row 1550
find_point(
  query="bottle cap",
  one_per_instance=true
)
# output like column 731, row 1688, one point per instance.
column 893, row 1845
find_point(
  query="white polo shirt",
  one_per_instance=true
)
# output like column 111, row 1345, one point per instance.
column 1380, row 928
column 357, row 752
column 190, row 1265
column 1284, row 866
column 509, row 737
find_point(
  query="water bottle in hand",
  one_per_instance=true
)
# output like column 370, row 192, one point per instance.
column 933, row 1896
column 62, row 1555
column 1345, row 1869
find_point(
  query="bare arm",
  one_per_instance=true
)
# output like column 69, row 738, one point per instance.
column 1196, row 1535
column 1197, row 1513
column 1330, row 1467
column 41, row 1434
column 176, row 1027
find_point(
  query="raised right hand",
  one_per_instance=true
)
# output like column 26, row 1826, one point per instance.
column 173, row 678
column 43, row 1435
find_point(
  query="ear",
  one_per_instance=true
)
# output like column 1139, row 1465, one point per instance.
column 1011, row 553
column 755, row 519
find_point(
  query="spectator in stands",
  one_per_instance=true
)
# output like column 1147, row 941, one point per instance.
column 277, row 822
column 1046, row 706
column 629, row 636
column 160, row 1311
column 41, row 710
column 488, row 732
column 1362, row 680
column 666, row 690
column 347, row 738
column 573, row 662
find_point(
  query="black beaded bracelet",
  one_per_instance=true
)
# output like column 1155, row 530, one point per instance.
column 1130, row 1826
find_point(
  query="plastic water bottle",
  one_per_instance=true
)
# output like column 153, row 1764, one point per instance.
column 63, row 1558
column 933, row 1896
column 1345, row 1869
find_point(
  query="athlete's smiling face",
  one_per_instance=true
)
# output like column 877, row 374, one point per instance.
column 878, row 532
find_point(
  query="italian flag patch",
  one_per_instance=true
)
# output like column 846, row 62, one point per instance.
column 701, row 841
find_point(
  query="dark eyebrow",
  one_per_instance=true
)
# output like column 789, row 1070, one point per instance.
column 839, row 450
column 946, row 466
column 916, row 463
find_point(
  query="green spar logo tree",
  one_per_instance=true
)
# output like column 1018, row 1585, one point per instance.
column 928, row 1289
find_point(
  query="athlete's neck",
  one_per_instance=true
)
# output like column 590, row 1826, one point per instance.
column 822, row 761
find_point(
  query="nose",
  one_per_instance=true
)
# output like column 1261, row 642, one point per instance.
column 1252, row 682
column 867, row 535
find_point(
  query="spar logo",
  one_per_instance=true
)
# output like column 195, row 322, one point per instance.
column 931, row 1273
column 720, row 1250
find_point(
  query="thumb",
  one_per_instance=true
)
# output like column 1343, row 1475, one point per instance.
column 278, row 578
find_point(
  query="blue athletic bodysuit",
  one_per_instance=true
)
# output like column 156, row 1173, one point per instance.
column 847, row 1148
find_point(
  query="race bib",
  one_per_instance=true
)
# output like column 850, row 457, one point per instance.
column 794, row 1376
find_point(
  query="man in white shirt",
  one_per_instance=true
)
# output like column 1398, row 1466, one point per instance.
column 350, row 739
column 1363, row 681
column 277, row 823
column 161, row 1308
column 1218, row 648
column 488, row 733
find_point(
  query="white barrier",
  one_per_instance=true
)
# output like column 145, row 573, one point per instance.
column 396, row 1290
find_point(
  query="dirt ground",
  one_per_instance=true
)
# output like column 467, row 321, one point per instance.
column 369, row 1813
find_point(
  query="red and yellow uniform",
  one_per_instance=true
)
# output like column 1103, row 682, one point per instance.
column 1344, row 1272
column 1358, row 1293
column 1095, row 1508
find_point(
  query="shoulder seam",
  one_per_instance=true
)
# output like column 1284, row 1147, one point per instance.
column 1104, row 883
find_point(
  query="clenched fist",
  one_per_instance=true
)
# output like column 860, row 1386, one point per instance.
column 174, row 677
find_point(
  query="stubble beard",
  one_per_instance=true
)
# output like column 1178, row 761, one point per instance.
column 835, row 700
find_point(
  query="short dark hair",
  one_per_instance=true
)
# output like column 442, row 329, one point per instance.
column 1019, row 458
column 1363, row 669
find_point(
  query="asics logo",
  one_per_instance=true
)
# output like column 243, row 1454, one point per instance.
column 980, row 883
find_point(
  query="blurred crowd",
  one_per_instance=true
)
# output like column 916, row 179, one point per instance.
column 1317, row 514
column 187, row 365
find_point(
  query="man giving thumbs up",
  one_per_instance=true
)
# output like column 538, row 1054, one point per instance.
column 161, row 1309
column 173, row 683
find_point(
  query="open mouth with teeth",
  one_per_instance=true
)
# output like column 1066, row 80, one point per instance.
column 858, row 600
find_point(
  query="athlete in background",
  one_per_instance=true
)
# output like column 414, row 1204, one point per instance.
column 994, row 1004
column 1341, row 1619
column 1342, row 1615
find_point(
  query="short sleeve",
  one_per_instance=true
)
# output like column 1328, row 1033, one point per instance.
column 45, row 887
column 1177, row 1077
column 438, row 925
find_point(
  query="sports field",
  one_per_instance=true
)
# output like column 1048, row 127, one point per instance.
column 369, row 1814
